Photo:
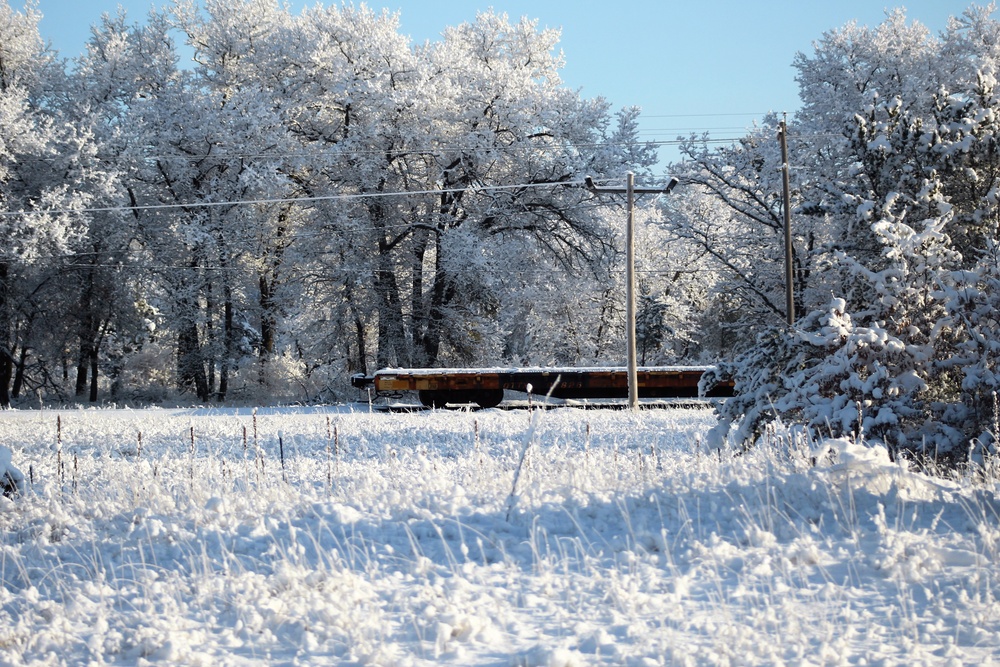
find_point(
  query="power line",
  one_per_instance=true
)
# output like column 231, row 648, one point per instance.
column 704, row 115
column 418, row 150
column 358, row 196
column 338, row 153
column 325, row 231
column 730, row 128
column 147, row 267
column 285, row 200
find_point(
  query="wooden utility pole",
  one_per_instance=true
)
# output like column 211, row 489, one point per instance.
column 633, row 365
column 787, row 199
column 630, row 191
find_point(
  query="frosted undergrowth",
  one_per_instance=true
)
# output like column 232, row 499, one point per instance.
column 178, row 537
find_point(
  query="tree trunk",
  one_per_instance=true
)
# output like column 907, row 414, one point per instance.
column 90, row 334
column 93, row 376
column 86, row 333
column 418, row 308
column 211, row 348
column 6, row 373
column 268, row 321
column 6, row 351
column 360, row 363
column 82, row 366
column 442, row 294
column 85, row 362
column 190, row 364
column 392, row 346
column 229, row 339
column 268, row 283
column 228, row 355
column 392, row 349
column 22, row 362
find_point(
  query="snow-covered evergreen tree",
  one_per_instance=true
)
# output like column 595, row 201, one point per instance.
column 899, row 349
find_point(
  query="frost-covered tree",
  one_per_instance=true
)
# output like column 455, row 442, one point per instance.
column 512, row 134
column 851, row 65
column 730, row 209
column 313, row 195
column 43, row 162
column 677, row 289
column 899, row 179
column 876, row 366
column 248, row 56
column 123, row 62
column 481, row 130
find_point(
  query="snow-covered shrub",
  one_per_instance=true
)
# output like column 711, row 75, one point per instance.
column 839, row 378
column 877, row 365
column 973, row 299
column 966, row 146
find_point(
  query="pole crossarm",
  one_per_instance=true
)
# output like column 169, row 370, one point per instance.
column 597, row 189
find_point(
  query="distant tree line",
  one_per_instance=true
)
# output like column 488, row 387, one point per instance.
column 313, row 196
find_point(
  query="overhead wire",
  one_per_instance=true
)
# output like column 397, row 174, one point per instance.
column 398, row 152
column 285, row 200
column 706, row 115
column 340, row 152
column 325, row 230
column 146, row 267
column 704, row 139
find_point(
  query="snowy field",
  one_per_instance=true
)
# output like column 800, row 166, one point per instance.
column 560, row 537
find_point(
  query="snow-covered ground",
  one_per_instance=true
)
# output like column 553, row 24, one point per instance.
column 559, row 537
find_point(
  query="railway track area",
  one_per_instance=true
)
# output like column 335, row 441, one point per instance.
column 507, row 388
column 403, row 406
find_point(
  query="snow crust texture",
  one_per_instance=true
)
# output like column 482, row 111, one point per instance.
column 179, row 537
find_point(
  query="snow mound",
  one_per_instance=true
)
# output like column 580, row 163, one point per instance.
column 11, row 479
column 868, row 466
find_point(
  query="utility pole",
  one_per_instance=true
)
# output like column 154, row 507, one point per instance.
column 787, row 198
column 630, row 191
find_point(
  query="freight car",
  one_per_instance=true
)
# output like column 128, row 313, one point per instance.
column 438, row 387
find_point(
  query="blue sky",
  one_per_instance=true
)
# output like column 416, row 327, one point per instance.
column 692, row 66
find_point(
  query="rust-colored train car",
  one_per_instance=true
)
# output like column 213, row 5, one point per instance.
column 437, row 387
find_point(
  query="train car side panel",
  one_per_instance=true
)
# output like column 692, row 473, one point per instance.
column 486, row 387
